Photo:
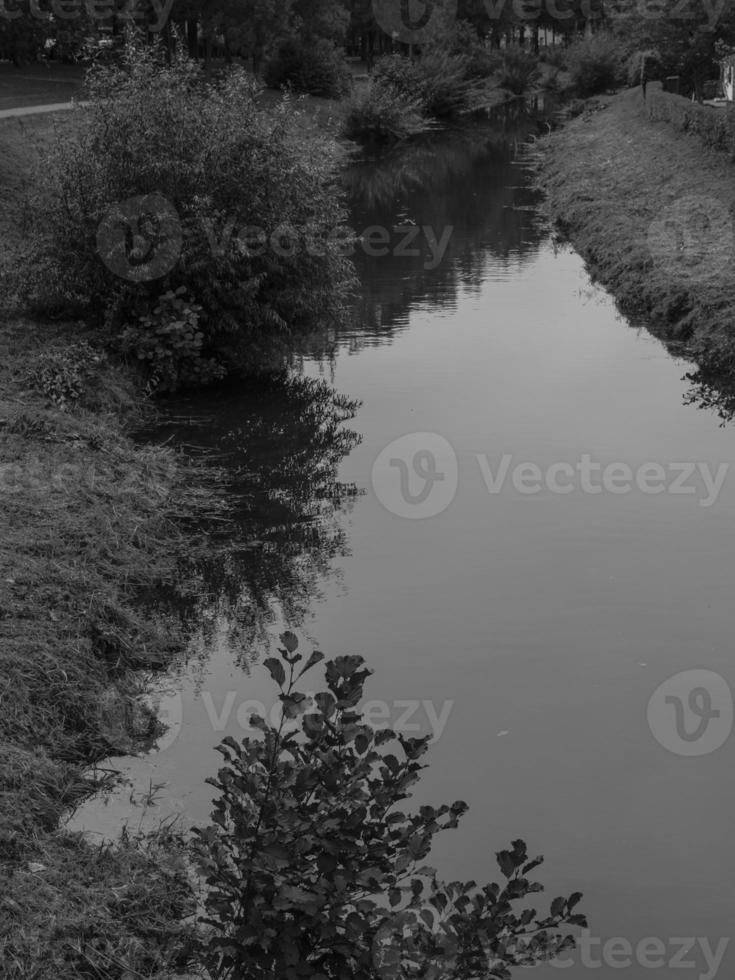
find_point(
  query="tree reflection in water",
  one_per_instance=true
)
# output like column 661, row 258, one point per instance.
column 712, row 391
column 470, row 181
column 278, row 444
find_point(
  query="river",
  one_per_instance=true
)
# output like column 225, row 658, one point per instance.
column 545, row 547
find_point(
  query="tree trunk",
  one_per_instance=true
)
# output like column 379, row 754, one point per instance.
column 168, row 41
column 192, row 38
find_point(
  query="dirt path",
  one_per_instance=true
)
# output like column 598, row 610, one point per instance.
column 35, row 110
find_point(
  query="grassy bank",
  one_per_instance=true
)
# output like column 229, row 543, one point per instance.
column 92, row 525
column 650, row 209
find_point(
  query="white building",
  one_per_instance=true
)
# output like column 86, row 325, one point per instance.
column 727, row 77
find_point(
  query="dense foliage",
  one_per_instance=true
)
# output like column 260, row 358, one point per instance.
column 716, row 130
column 518, row 69
column 444, row 81
column 203, row 231
column 596, row 63
column 316, row 67
column 381, row 113
column 314, row 872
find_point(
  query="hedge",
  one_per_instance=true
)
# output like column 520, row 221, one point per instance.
column 714, row 127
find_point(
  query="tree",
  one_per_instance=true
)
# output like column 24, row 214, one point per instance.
column 322, row 18
column 687, row 39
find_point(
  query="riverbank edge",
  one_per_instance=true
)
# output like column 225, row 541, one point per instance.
column 95, row 529
column 611, row 179
column 93, row 526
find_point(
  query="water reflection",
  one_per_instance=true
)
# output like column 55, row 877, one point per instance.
column 709, row 390
column 466, row 195
column 280, row 443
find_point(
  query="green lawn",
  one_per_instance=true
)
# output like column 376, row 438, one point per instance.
column 42, row 84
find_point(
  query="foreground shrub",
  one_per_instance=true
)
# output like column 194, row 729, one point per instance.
column 167, row 183
column 312, row 871
column 595, row 64
column 715, row 128
column 315, row 67
column 382, row 113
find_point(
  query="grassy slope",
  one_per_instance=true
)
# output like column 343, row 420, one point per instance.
column 90, row 523
column 608, row 176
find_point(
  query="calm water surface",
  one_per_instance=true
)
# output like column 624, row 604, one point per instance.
column 535, row 626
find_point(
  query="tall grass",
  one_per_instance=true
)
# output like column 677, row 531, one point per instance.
column 381, row 113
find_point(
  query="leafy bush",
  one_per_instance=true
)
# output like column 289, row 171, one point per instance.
column 595, row 64
column 448, row 88
column 165, row 182
column 312, row 871
column 169, row 340
column 316, row 67
column 445, row 82
column 554, row 55
column 62, row 374
column 715, row 128
column 401, row 73
column 382, row 113
column 518, row 69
